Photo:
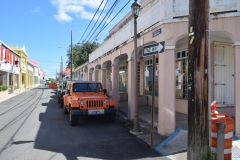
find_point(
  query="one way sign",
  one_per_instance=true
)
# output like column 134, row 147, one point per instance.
column 154, row 49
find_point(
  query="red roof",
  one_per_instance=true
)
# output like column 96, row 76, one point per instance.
column 35, row 62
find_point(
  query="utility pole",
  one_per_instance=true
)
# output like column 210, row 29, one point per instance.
column 71, row 56
column 198, row 131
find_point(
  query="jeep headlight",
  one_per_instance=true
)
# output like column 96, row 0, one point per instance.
column 105, row 101
column 82, row 102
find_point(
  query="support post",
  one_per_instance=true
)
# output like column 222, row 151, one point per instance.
column 153, row 96
column 220, row 140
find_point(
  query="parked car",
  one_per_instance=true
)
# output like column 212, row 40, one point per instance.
column 47, row 82
column 62, row 90
column 87, row 98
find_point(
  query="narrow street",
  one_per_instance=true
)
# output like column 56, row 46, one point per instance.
column 33, row 126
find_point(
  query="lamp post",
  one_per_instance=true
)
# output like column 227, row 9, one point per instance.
column 71, row 55
column 135, row 10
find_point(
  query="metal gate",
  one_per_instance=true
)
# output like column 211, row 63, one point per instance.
column 224, row 74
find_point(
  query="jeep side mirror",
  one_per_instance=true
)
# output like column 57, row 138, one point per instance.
column 105, row 91
column 68, row 91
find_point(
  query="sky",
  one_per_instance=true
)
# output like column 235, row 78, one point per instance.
column 44, row 26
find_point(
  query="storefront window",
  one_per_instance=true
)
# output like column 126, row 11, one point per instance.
column 181, row 73
column 123, row 79
column 148, row 80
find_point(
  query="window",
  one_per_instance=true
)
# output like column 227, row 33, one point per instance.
column 123, row 79
column 148, row 69
column 181, row 73
column 85, row 87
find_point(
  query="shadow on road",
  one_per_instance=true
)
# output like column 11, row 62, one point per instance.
column 92, row 138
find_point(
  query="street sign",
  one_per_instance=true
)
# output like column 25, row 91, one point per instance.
column 154, row 49
column 157, row 32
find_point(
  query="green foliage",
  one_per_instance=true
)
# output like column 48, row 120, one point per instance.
column 80, row 53
column 3, row 88
column 52, row 80
column 210, row 155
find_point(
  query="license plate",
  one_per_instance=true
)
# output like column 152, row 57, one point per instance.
column 96, row 112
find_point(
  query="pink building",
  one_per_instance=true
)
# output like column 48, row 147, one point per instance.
column 113, row 62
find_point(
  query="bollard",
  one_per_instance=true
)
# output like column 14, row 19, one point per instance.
column 220, row 140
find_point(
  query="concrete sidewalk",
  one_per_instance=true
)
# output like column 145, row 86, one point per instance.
column 174, row 146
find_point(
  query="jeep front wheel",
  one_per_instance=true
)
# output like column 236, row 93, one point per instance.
column 73, row 120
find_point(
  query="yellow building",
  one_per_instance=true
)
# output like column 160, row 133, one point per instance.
column 23, row 66
column 30, row 73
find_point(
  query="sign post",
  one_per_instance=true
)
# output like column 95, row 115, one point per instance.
column 153, row 49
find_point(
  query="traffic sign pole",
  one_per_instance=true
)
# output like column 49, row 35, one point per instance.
column 153, row 96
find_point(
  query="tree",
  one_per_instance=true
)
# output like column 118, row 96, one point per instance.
column 80, row 53
column 52, row 80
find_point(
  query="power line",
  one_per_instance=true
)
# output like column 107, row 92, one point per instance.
column 107, row 18
column 111, row 20
column 110, row 14
column 104, row 18
column 91, row 20
column 97, row 19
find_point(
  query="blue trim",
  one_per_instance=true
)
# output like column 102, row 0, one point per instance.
column 235, row 137
column 158, row 148
column 235, row 158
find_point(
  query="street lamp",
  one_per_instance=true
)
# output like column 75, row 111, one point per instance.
column 135, row 11
column 71, row 55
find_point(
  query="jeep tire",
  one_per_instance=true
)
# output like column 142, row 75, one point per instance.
column 73, row 120
column 65, row 111
column 61, row 102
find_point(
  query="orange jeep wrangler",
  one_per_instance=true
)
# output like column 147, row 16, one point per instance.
column 86, row 98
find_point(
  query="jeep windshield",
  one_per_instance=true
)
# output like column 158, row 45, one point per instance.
column 87, row 87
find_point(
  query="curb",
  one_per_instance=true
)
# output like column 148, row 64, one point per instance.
column 143, row 123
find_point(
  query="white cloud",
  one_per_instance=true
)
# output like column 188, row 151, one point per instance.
column 35, row 10
column 67, row 8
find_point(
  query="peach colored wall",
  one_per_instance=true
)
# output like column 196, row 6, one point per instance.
column 182, row 106
column 237, row 88
column 172, row 33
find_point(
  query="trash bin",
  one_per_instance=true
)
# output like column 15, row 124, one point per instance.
column 228, row 137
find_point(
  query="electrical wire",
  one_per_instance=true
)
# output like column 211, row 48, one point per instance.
column 110, row 21
column 110, row 14
column 91, row 20
column 97, row 19
column 104, row 18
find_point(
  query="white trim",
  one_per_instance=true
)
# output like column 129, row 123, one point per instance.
column 130, row 59
column 169, row 47
column 237, row 43
column 226, row 136
column 226, row 151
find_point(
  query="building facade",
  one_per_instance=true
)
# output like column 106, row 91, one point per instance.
column 9, row 67
column 23, row 66
column 30, row 74
column 113, row 62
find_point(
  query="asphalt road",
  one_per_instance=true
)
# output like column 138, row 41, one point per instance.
column 34, row 127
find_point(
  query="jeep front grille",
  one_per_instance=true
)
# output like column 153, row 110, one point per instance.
column 94, row 103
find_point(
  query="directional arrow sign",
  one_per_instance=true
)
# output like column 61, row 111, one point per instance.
column 154, row 49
